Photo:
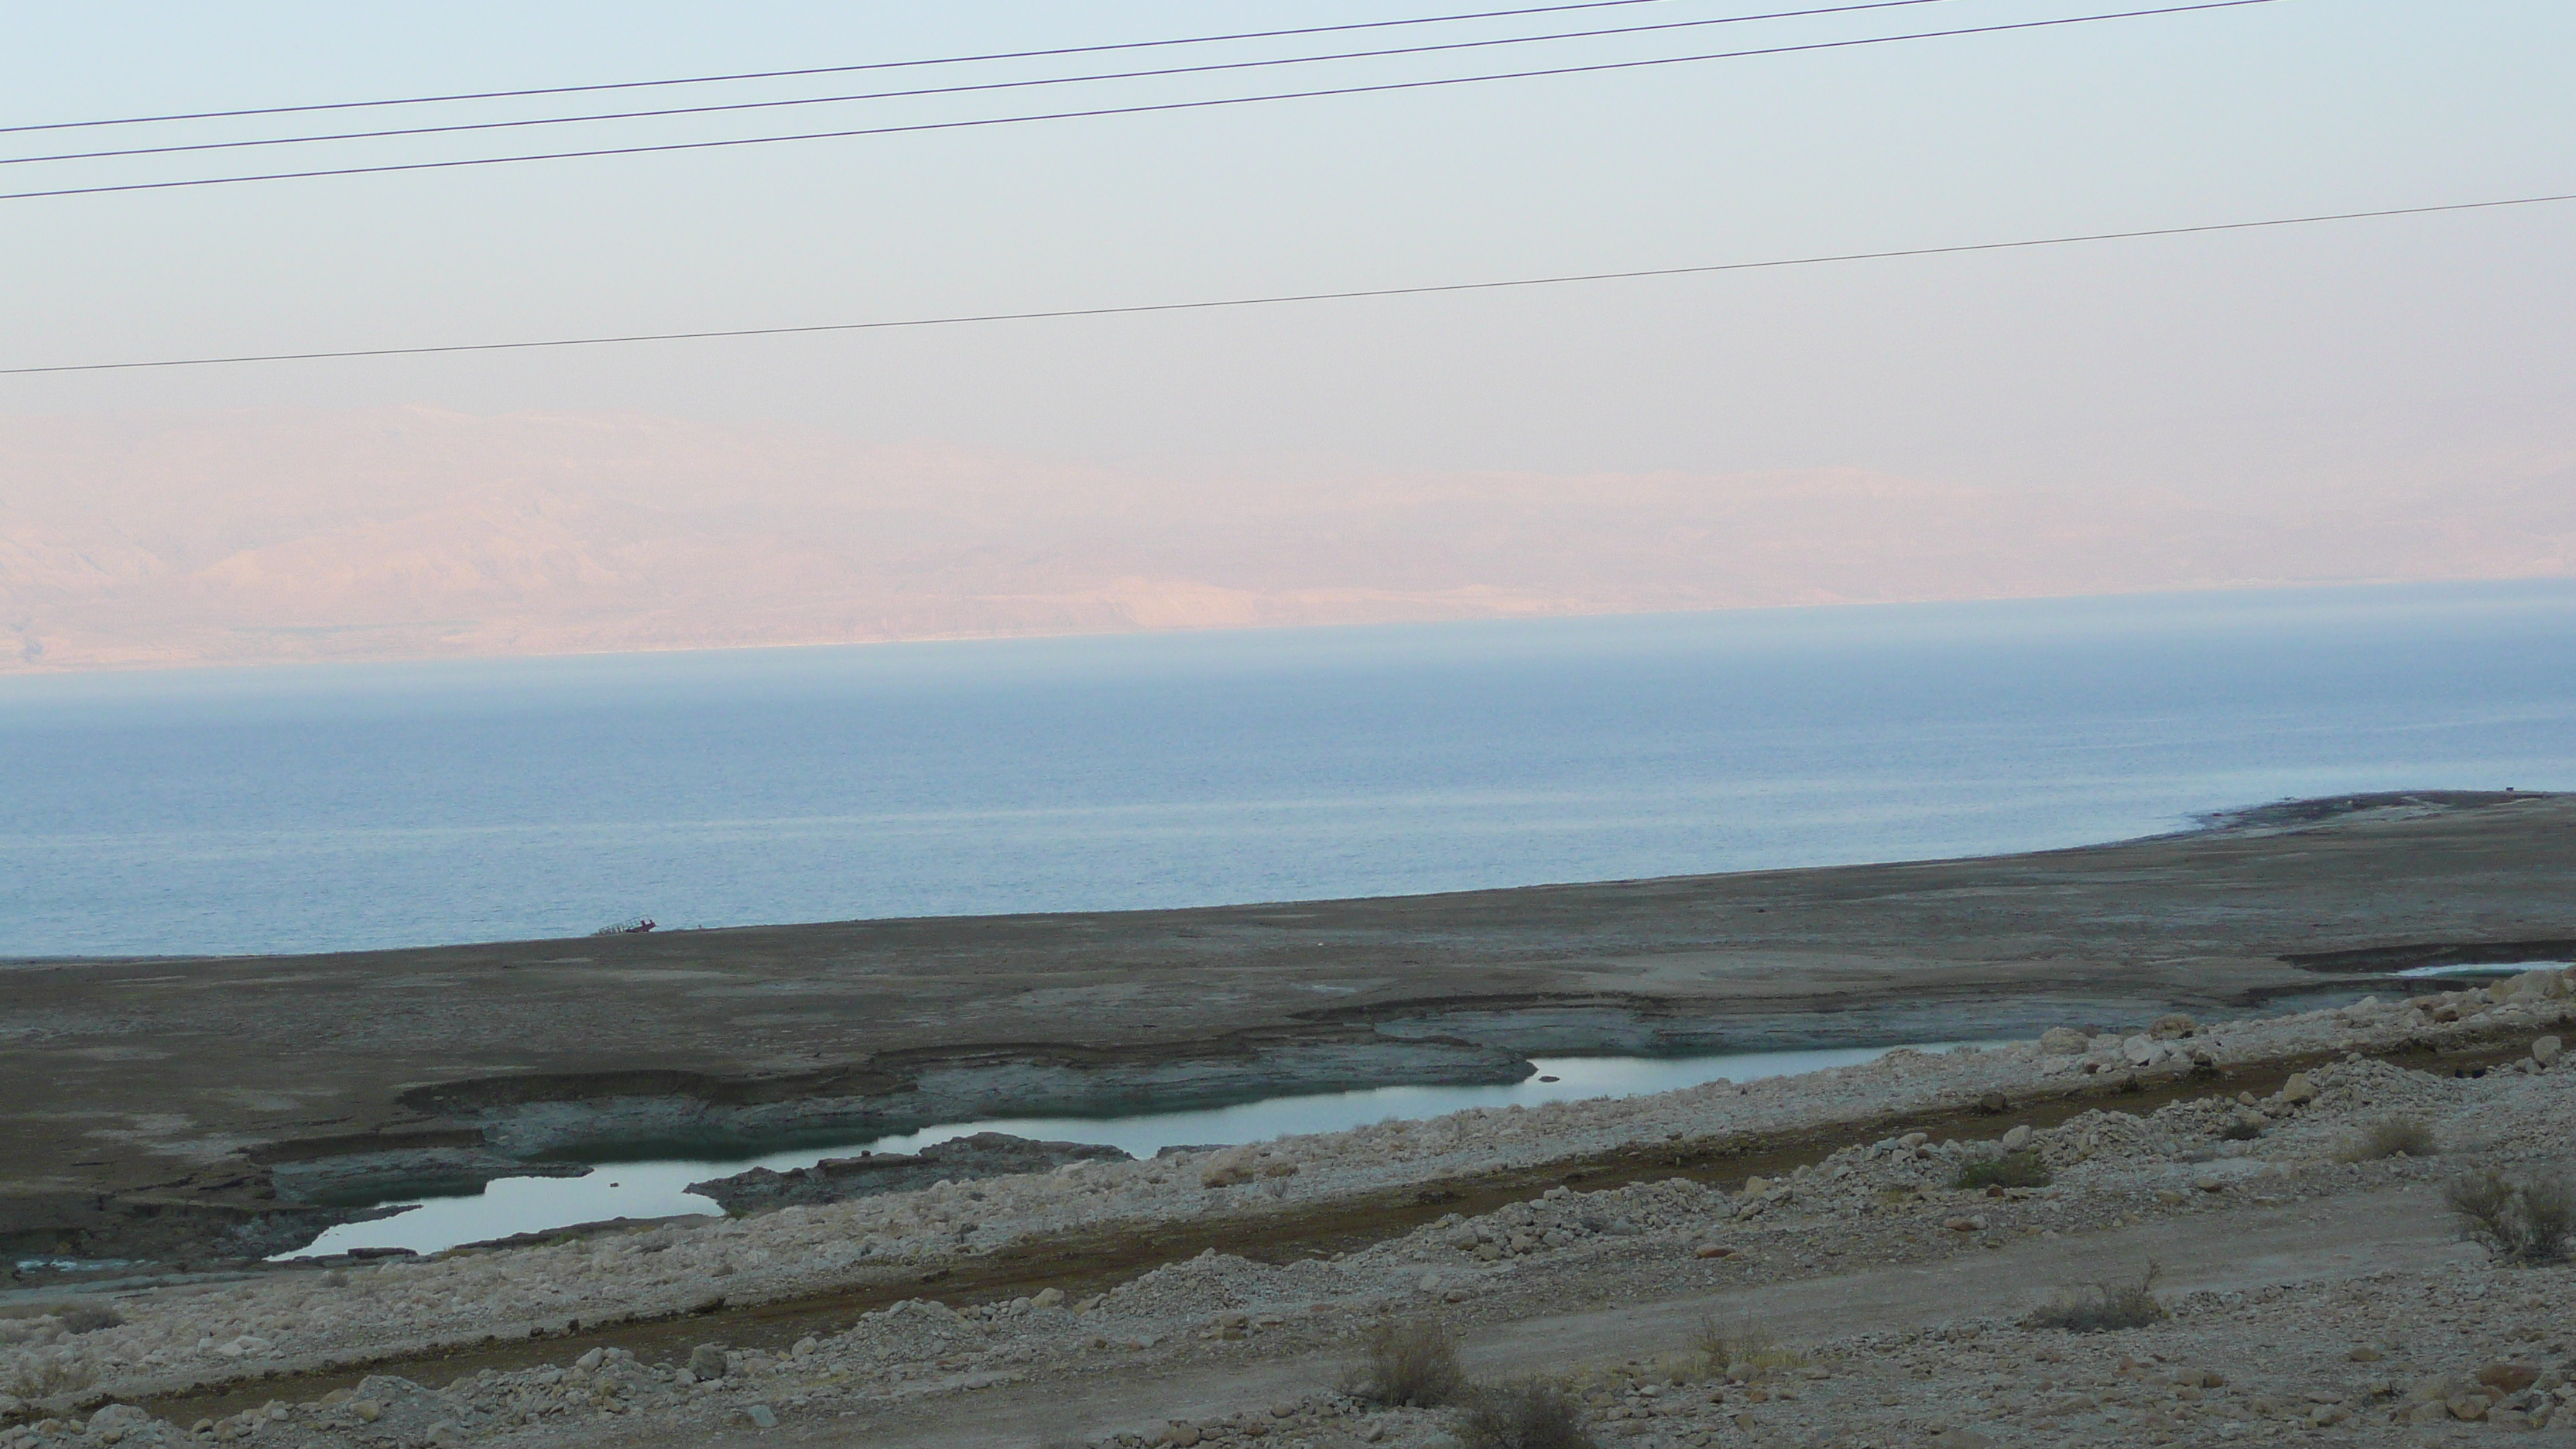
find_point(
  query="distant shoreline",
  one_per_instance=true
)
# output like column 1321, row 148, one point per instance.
column 2272, row 816
column 183, row 667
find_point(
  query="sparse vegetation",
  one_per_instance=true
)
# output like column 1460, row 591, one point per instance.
column 2014, row 1169
column 48, row 1377
column 2391, row 1137
column 90, row 1318
column 1410, row 1362
column 1525, row 1415
column 2529, row 1221
column 1742, row 1348
column 2103, row 1307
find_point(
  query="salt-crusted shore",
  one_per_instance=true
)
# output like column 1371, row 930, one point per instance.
column 1870, row 1203
column 202, row 1109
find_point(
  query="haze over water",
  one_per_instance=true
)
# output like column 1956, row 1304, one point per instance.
column 329, row 807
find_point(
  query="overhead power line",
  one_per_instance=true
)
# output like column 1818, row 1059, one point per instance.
column 701, row 80
column 1165, row 72
column 1382, row 87
column 1281, row 299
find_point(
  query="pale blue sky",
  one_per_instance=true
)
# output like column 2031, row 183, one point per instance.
column 2209, row 363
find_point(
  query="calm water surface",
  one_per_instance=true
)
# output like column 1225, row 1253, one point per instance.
column 660, row 1188
column 325, row 807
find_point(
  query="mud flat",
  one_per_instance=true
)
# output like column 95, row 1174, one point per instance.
column 194, row 1109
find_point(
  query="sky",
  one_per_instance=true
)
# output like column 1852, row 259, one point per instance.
column 2213, row 366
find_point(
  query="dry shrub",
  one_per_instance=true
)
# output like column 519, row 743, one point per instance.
column 2528, row 1221
column 1742, row 1347
column 2102, row 1307
column 90, row 1318
column 1412, row 1363
column 2391, row 1137
column 2014, row 1169
column 1528, row 1415
column 48, row 1377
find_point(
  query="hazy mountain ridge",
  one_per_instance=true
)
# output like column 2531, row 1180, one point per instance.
column 414, row 532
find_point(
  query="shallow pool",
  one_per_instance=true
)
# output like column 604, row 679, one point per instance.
column 2484, row 969
column 659, row 1188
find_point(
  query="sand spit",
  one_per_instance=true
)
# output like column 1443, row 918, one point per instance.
column 2208, row 1173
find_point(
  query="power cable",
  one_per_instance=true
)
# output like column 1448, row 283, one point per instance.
column 1292, row 297
column 949, row 90
column 700, row 80
column 1131, row 110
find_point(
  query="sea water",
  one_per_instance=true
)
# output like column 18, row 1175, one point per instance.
column 312, row 807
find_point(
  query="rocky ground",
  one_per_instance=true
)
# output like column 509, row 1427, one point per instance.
column 2318, row 1292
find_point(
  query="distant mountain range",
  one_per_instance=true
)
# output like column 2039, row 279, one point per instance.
column 412, row 532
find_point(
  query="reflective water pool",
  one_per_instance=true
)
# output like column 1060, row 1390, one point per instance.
column 659, row 1188
column 2485, row 969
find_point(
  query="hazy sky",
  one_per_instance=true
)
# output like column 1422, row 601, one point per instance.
column 2211, row 363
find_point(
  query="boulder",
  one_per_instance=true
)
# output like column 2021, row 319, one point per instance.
column 2299, row 1089
column 2173, row 1027
column 2059, row 1041
column 120, row 1419
column 2547, row 1050
column 2017, row 1139
column 1243, row 1164
column 2508, row 1378
column 707, row 1361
